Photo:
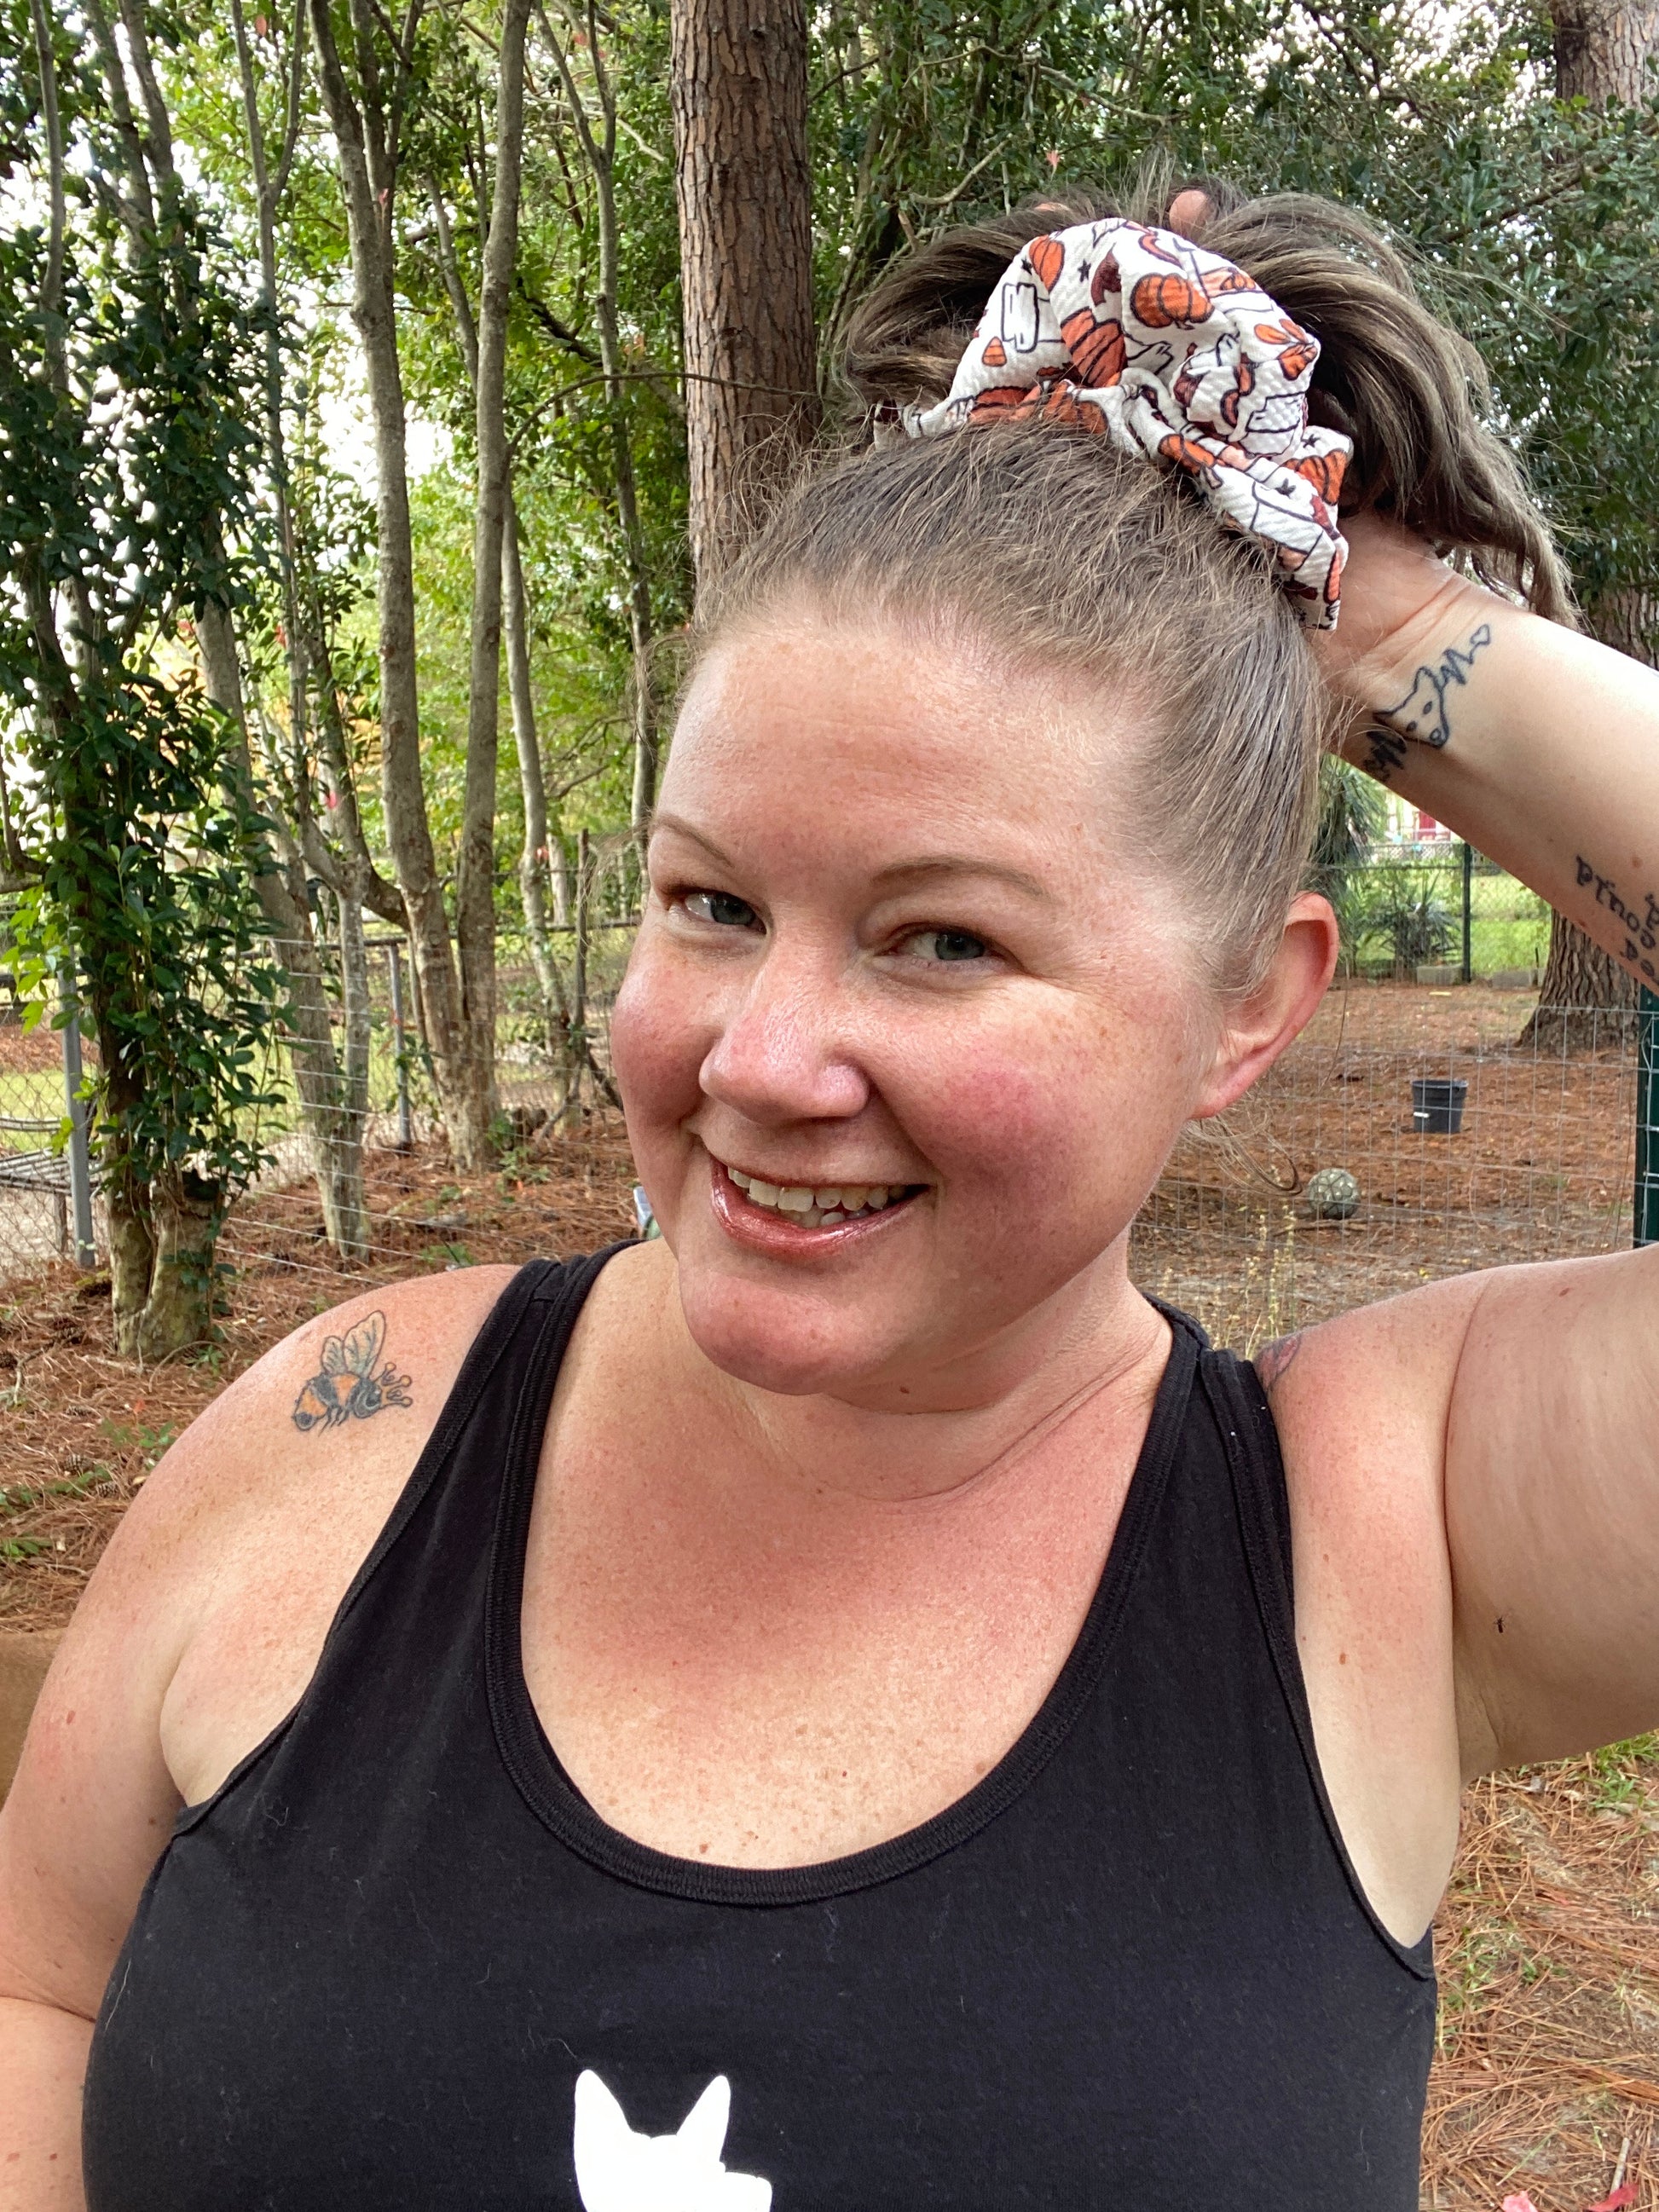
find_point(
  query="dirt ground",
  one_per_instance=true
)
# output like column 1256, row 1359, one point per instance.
column 1542, row 1167
column 1548, row 1943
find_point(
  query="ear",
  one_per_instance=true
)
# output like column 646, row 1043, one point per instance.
column 1257, row 1028
column 601, row 2123
column 703, row 2129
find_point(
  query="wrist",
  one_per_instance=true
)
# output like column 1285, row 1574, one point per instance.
column 1393, row 677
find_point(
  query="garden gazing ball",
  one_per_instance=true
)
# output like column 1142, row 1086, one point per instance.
column 1332, row 1195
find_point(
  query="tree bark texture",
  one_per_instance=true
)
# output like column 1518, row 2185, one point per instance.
column 474, row 901
column 533, row 870
column 1587, row 998
column 738, row 85
column 1602, row 50
column 368, row 178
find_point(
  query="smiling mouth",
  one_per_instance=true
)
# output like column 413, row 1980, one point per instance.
column 822, row 1206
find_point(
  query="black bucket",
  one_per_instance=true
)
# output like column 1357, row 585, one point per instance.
column 1437, row 1105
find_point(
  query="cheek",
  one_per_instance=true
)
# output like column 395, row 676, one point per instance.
column 1072, row 1110
column 659, row 1041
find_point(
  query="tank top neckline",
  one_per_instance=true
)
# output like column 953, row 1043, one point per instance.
column 542, row 1781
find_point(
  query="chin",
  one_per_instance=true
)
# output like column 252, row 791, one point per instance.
column 794, row 1344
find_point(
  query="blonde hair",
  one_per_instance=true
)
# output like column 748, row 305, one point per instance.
column 1066, row 555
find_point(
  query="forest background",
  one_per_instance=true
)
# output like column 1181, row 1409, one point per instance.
column 377, row 383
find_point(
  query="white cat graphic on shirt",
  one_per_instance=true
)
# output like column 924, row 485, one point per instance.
column 617, row 2171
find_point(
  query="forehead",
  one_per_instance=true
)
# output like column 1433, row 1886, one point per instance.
column 902, row 724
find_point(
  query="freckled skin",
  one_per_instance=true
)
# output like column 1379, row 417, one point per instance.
column 1037, row 1092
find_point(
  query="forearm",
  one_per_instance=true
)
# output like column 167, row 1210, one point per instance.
column 43, row 2064
column 1539, row 746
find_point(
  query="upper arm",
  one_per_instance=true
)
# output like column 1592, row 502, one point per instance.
column 1552, row 1504
column 234, row 1556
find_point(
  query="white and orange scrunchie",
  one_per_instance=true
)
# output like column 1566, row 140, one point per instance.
column 1177, row 356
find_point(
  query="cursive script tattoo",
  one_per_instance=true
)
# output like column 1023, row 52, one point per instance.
column 347, row 1387
column 1640, row 918
column 1274, row 1360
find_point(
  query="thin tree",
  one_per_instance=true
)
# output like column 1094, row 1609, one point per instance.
column 600, row 147
column 739, row 83
column 369, row 123
column 328, row 1094
column 475, row 903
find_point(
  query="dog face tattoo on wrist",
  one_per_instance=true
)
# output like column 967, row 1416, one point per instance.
column 1423, row 717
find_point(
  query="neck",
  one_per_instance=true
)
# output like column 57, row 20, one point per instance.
column 963, row 1424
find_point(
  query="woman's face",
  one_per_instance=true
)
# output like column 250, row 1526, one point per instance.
column 891, row 947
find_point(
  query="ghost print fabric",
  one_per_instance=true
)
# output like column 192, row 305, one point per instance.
column 1177, row 356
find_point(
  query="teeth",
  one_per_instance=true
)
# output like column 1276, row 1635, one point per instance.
column 814, row 1208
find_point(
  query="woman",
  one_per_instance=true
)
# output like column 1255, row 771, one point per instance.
column 851, row 1705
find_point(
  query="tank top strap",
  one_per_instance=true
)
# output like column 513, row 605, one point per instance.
column 411, row 1610
column 483, row 1409
column 1261, row 1496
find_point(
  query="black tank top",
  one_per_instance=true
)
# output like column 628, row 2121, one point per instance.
column 396, row 1962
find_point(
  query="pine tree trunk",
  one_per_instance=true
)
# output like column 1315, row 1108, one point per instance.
column 1587, row 999
column 1603, row 49
column 738, row 86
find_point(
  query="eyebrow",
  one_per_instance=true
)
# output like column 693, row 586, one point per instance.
column 961, row 863
column 925, row 866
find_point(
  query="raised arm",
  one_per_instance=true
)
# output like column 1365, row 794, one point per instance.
column 1535, row 1389
column 1538, row 746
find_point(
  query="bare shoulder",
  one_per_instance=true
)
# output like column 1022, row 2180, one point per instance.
column 203, row 1620
column 1400, row 1352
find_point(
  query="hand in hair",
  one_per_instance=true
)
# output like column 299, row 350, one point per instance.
column 1397, row 596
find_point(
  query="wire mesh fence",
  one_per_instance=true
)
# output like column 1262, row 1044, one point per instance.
column 1434, row 911
column 1418, row 1129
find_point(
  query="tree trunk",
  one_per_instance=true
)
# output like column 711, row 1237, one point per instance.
column 738, row 85
column 1603, row 49
column 347, row 1192
column 369, row 179
column 533, row 872
column 1587, row 998
column 474, row 902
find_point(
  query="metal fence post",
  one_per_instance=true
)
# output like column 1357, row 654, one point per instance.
column 80, row 1158
column 1646, row 1225
column 405, row 1127
column 1468, row 933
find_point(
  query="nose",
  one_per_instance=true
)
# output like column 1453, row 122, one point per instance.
column 781, row 1055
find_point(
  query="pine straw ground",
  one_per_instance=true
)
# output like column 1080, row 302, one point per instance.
column 1547, row 1944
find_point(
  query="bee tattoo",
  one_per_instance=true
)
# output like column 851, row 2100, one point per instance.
column 347, row 1387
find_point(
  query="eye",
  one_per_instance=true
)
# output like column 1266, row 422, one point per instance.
column 946, row 945
column 720, row 908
